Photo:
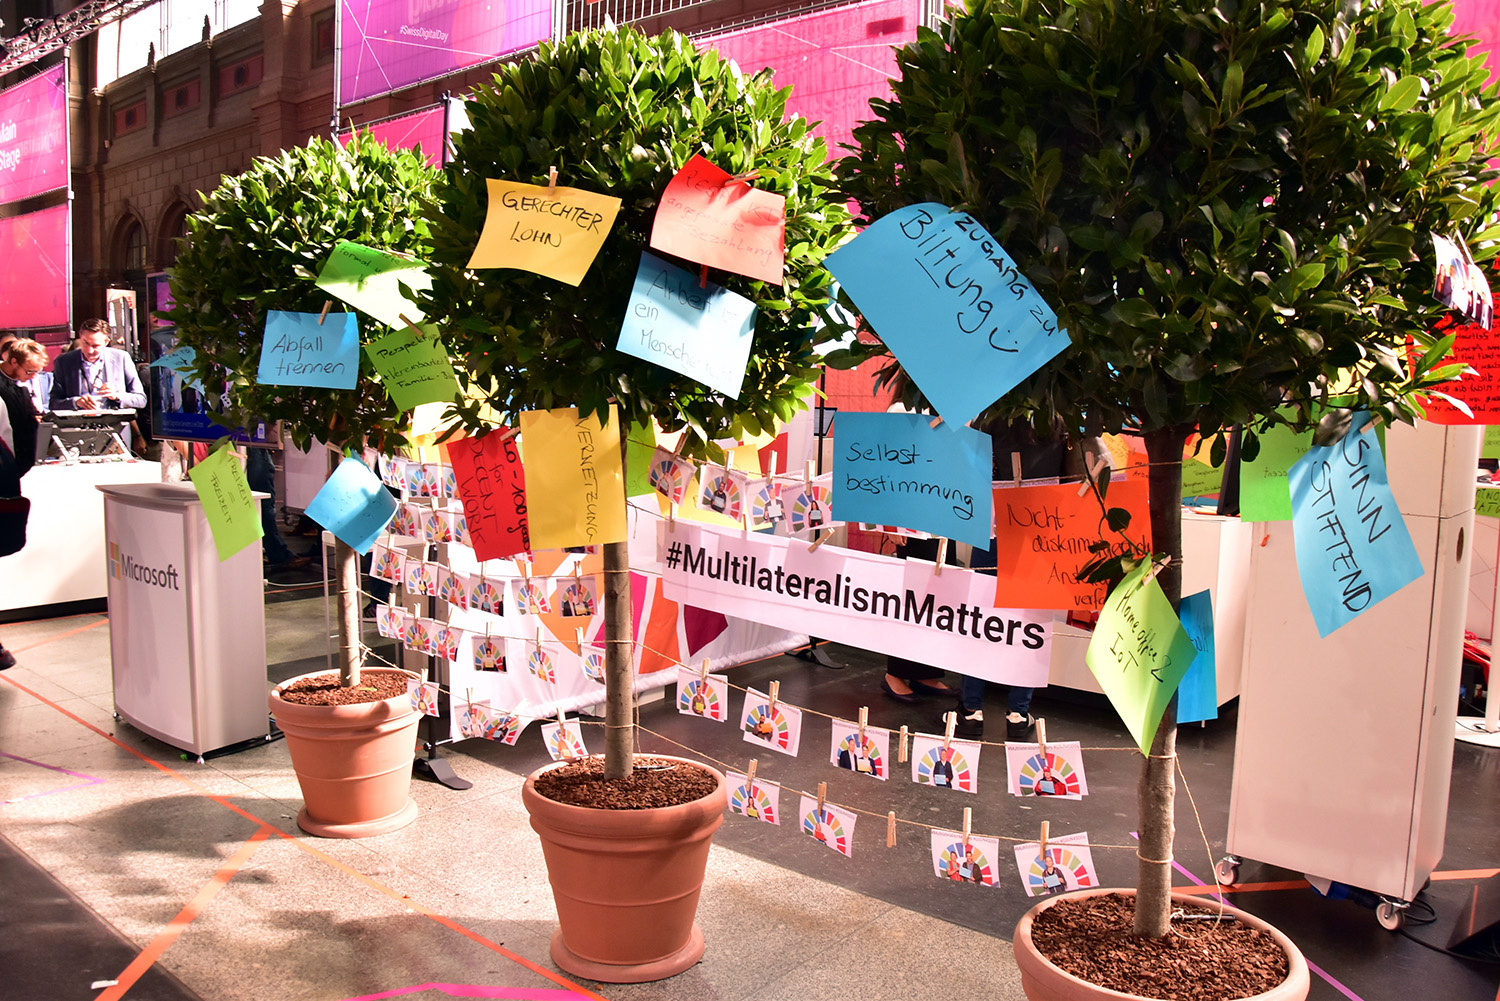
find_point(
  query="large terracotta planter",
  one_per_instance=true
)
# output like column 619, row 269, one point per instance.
column 1042, row 981
column 626, row 882
column 353, row 762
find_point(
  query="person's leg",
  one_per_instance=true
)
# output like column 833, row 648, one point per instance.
column 1018, row 721
column 905, row 679
column 970, row 709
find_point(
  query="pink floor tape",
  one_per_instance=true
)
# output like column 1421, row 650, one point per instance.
column 89, row 780
column 476, row 991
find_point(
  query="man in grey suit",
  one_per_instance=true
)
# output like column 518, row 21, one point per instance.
column 95, row 377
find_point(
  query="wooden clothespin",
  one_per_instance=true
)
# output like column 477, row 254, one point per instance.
column 551, row 181
column 935, row 421
column 410, row 325
column 1041, row 740
column 822, row 538
column 539, row 638
column 901, row 747
column 968, row 823
column 562, row 725
column 744, row 178
column 703, row 276
column 822, row 797
column 578, row 633
column 950, row 721
column 890, row 829
column 1042, row 853
column 1015, row 467
column 1093, row 464
column 508, row 435
column 750, row 778
column 327, row 304
column 942, row 557
column 807, row 476
column 771, row 704
column 864, row 719
column 703, row 671
column 672, row 517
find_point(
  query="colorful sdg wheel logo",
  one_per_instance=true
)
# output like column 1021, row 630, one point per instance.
column 769, row 725
column 669, row 479
column 951, row 858
column 593, row 666
column 1063, row 778
column 539, row 663
column 697, row 696
column 810, row 509
column 1075, row 874
column 963, row 775
column 827, row 828
column 757, row 806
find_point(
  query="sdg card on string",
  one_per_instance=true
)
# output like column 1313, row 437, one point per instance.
column 423, row 695
column 563, row 740
column 555, row 232
column 576, row 597
column 951, row 305
column 953, row 767
column 670, row 475
column 868, row 755
column 700, row 695
column 707, row 216
column 1068, row 865
column 833, row 826
column 976, row 862
column 808, row 507
column 1059, row 774
column 778, row 727
column 760, row 802
column 722, row 491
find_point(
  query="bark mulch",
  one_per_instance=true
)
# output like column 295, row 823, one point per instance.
column 324, row 690
column 653, row 783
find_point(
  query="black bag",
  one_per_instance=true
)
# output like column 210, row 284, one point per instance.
column 13, row 514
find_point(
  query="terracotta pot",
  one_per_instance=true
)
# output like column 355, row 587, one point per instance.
column 1042, row 981
column 353, row 762
column 626, row 882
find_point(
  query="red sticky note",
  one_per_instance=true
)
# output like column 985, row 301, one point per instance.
column 492, row 485
column 732, row 225
column 1479, row 348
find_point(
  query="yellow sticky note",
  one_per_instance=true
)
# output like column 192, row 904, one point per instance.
column 575, row 479
column 557, row 234
column 233, row 515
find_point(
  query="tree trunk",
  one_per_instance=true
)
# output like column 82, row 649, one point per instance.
column 346, row 564
column 1158, row 787
column 619, row 662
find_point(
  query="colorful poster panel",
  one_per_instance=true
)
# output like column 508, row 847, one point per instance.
column 708, row 216
column 831, row 825
column 1058, row 773
column 722, row 491
column 778, row 727
column 703, row 695
column 1353, row 548
column 761, row 801
column 555, row 232
column 564, row 741
column 953, row 767
column 1068, row 865
column 864, row 754
column 576, row 597
column 423, row 695
column 974, row 862
column 670, row 475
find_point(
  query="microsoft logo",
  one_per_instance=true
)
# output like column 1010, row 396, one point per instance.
column 116, row 570
column 122, row 566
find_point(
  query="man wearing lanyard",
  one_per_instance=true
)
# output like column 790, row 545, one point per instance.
column 95, row 376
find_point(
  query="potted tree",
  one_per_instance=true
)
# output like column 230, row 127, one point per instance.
column 257, row 245
column 620, row 113
column 1229, row 208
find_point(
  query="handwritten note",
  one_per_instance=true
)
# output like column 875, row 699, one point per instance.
column 1490, row 449
column 370, row 280
column 640, row 446
column 297, row 351
column 704, row 333
column 353, row 504
column 706, row 217
column 1139, row 653
column 1198, row 694
column 896, row 469
column 575, row 486
column 1353, row 549
column 492, row 484
column 232, row 512
column 1479, row 348
column 1042, row 538
column 415, row 370
column 1199, row 479
column 557, row 234
column 963, row 321
column 1487, row 501
column 1264, row 494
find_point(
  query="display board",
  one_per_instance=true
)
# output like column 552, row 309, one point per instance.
column 420, row 128
column 180, row 409
column 34, row 135
column 35, row 278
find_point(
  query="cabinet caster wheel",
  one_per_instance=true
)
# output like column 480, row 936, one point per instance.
column 1390, row 914
column 1228, row 871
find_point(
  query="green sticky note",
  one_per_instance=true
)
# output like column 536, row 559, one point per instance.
column 640, row 445
column 233, row 514
column 1139, row 653
column 1491, row 447
column 370, row 280
column 1487, row 501
column 1200, row 479
column 1264, row 491
column 415, row 370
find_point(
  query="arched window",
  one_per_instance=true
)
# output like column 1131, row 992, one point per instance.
column 133, row 249
column 173, row 229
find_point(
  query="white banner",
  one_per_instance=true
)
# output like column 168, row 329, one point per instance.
column 891, row 606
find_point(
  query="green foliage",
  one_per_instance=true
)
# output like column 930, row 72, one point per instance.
column 258, row 244
column 620, row 113
column 1227, row 203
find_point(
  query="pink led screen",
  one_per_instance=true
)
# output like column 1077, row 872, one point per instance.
column 385, row 45
column 420, row 128
column 1480, row 18
column 834, row 60
column 34, row 280
column 34, row 136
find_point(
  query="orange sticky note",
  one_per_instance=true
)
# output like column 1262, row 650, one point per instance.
column 731, row 226
column 557, row 234
column 1042, row 537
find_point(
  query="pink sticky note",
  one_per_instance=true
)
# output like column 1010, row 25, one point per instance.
column 731, row 225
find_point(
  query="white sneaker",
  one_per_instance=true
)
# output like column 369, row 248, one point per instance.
column 1017, row 726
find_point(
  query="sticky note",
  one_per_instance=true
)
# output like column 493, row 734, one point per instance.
column 415, row 370
column 1198, row 694
column 640, row 447
column 232, row 512
column 1199, row 479
column 1487, row 501
column 298, row 351
column 1353, row 548
column 1264, row 495
column 180, row 360
column 702, row 332
column 896, row 469
column 557, row 234
column 1490, row 449
column 706, row 217
column 575, row 483
column 370, row 280
column 492, row 484
column 965, row 324
column 353, row 504
column 1139, row 653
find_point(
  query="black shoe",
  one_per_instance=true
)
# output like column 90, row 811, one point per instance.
column 970, row 724
column 1018, row 726
column 7, row 659
column 371, row 610
column 907, row 697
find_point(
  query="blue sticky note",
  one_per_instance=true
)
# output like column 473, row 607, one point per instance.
column 297, row 351
column 702, row 332
column 896, row 469
column 949, row 302
column 354, row 505
column 1198, row 693
column 181, row 361
column 1353, row 549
